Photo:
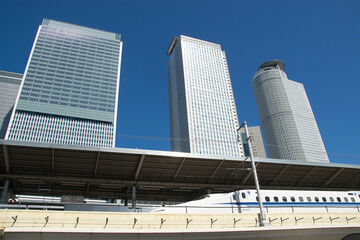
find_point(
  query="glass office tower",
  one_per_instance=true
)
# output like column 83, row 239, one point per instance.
column 203, row 117
column 288, row 123
column 70, row 87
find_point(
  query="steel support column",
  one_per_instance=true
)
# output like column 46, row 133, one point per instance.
column 4, row 195
column 6, row 158
column 134, row 198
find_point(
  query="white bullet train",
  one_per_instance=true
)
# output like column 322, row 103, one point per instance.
column 274, row 201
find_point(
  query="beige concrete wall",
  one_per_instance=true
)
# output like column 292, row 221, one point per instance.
column 111, row 220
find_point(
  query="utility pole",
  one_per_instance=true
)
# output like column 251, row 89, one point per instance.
column 262, row 220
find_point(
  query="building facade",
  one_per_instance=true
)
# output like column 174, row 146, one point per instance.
column 9, row 88
column 203, row 117
column 70, row 87
column 288, row 123
column 257, row 143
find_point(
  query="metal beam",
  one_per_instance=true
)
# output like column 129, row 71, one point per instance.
column 86, row 180
column 96, row 164
column 139, row 167
column 53, row 161
column 178, row 170
column 279, row 174
column 332, row 177
column 6, row 158
column 249, row 174
column 215, row 171
column 306, row 176
column 133, row 198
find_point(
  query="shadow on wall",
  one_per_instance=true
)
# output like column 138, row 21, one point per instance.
column 5, row 123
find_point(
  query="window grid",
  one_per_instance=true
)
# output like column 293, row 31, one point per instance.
column 201, row 68
column 62, row 130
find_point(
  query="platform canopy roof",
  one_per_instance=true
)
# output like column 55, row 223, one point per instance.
column 110, row 173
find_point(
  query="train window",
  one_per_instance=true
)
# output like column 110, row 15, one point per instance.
column 331, row 199
column 292, row 199
column 301, row 199
column 308, row 199
column 276, row 199
column 267, row 199
column 353, row 199
column 243, row 195
column 338, row 199
column 234, row 197
column 316, row 199
column 324, row 199
column 257, row 199
column 346, row 199
column 284, row 199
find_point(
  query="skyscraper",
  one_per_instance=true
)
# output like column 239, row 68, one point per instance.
column 9, row 87
column 257, row 143
column 287, row 120
column 203, row 117
column 70, row 87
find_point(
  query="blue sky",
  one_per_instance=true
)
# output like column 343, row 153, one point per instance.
column 319, row 42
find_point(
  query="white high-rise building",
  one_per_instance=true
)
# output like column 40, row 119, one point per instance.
column 288, row 123
column 69, row 92
column 203, row 117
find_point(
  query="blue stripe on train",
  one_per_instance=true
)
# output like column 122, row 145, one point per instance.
column 297, row 204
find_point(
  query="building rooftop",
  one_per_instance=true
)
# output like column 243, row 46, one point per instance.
column 172, row 45
column 273, row 63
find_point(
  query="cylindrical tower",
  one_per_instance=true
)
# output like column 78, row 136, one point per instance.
column 287, row 120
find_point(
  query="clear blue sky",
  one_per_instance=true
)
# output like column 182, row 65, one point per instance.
column 319, row 42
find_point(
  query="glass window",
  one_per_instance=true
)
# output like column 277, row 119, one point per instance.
column 267, row 199
column 276, row 199
column 308, row 199
column 284, row 199
column 352, row 199
column 338, row 199
column 292, row 199
column 316, row 199
column 331, row 199
column 301, row 199
column 324, row 199
column 346, row 199
column 243, row 195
